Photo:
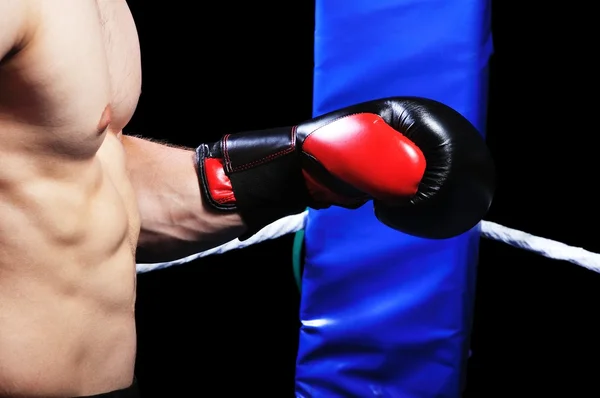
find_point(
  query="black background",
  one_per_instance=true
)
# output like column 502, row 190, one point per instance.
column 227, row 325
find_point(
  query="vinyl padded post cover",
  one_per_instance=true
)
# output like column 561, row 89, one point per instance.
column 385, row 314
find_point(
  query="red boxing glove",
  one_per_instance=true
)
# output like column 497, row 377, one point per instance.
column 425, row 166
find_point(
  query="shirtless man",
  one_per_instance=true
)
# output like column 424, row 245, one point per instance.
column 77, row 197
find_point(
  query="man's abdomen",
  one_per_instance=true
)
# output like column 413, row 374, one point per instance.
column 67, row 285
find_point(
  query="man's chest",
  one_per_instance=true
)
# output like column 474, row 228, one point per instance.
column 82, row 58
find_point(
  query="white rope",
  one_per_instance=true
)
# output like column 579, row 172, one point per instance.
column 490, row 230
column 542, row 246
column 283, row 226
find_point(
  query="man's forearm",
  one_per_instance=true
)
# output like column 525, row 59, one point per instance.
column 174, row 221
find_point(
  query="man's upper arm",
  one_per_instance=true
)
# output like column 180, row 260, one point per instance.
column 13, row 22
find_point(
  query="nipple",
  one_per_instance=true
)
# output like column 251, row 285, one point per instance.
column 105, row 119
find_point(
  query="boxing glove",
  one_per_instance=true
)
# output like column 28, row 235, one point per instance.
column 426, row 168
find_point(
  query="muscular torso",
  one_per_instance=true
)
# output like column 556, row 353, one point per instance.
column 68, row 217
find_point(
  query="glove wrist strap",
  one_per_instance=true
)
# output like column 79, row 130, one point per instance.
column 255, row 173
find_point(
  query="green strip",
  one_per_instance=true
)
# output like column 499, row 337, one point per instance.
column 297, row 258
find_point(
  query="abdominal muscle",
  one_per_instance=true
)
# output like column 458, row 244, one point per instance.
column 67, row 277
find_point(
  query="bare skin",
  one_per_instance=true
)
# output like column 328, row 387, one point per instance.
column 77, row 198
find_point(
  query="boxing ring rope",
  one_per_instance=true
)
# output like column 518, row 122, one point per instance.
column 490, row 230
